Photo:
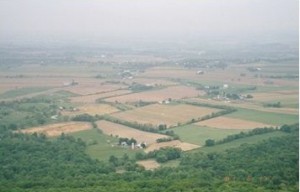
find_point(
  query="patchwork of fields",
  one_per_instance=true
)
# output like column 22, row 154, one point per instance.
column 107, row 91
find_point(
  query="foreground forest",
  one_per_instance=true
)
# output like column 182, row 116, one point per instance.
column 37, row 163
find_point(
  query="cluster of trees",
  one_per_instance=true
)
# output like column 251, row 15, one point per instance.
column 233, row 96
column 224, row 107
column 29, row 160
column 272, row 164
column 86, row 117
column 142, row 103
column 136, row 87
column 24, row 113
column 36, row 163
column 216, row 114
column 162, row 155
column 124, row 163
column 165, row 139
column 127, row 141
column 275, row 105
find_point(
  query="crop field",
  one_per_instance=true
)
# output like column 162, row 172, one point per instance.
column 59, row 128
column 175, row 143
column 92, row 98
column 92, row 109
column 118, row 130
column 276, row 96
column 170, row 114
column 231, row 123
column 173, row 92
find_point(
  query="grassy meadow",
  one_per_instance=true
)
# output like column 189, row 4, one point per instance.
column 275, row 119
column 100, row 145
column 198, row 134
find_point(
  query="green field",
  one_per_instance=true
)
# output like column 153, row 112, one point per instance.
column 236, row 143
column 103, row 149
column 264, row 117
column 198, row 135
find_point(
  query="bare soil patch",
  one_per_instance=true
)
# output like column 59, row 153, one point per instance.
column 149, row 164
column 59, row 128
column 176, row 143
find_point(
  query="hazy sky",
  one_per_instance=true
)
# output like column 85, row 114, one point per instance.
column 146, row 18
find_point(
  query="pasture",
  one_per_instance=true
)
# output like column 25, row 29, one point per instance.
column 171, row 114
column 196, row 134
column 270, row 118
column 236, row 143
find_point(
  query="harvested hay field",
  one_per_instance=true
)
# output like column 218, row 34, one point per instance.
column 59, row 128
column 149, row 164
column 176, row 143
column 170, row 72
column 92, row 98
column 277, row 95
column 250, row 105
column 231, row 123
column 88, row 88
column 170, row 115
column 150, row 82
column 174, row 92
column 114, row 129
column 92, row 109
